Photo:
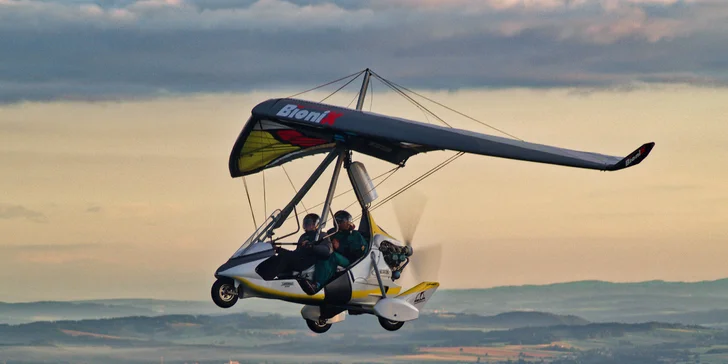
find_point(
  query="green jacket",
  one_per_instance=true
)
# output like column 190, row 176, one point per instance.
column 352, row 244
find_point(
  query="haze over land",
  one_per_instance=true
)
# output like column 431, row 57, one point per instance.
column 600, row 322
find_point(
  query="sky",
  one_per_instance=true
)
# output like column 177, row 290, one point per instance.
column 117, row 119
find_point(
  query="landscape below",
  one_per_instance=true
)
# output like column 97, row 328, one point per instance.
column 589, row 322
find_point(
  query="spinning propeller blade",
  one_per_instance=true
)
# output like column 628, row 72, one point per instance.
column 409, row 208
column 425, row 261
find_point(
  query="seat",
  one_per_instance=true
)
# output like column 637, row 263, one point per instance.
column 364, row 227
column 307, row 273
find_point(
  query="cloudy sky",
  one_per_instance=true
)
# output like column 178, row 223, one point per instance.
column 117, row 118
column 88, row 50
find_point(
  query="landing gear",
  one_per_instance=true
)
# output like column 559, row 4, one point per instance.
column 318, row 327
column 223, row 293
column 390, row 325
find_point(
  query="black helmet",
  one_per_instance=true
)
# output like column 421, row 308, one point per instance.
column 341, row 216
column 311, row 220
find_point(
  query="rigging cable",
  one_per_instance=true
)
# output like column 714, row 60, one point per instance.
column 420, row 178
column 413, row 101
column 394, row 170
column 472, row 118
column 399, row 89
column 249, row 202
column 294, row 188
column 352, row 100
column 326, row 84
column 425, row 110
column 466, row 116
column 371, row 93
column 339, row 89
column 351, row 189
column 416, row 181
column 457, row 112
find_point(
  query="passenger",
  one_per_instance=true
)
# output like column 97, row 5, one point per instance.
column 347, row 245
column 347, row 241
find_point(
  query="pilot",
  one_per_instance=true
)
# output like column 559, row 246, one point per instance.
column 347, row 245
column 308, row 250
column 310, row 225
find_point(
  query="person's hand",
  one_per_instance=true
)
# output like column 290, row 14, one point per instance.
column 335, row 244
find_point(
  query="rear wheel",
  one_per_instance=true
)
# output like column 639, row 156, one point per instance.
column 223, row 293
column 318, row 327
column 390, row 325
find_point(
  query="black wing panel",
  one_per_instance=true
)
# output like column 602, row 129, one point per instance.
column 393, row 139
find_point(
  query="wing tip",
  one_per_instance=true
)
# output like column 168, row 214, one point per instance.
column 634, row 158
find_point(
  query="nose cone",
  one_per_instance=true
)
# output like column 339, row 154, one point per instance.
column 219, row 269
column 256, row 255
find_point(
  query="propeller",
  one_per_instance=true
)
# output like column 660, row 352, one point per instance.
column 425, row 261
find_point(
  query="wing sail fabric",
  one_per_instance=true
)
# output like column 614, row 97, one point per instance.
column 264, row 144
column 395, row 139
column 378, row 132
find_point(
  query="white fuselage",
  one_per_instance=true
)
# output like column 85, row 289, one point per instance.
column 365, row 290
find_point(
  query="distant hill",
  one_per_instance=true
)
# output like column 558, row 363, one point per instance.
column 534, row 327
column 592, row 300
column 566, row 287
column 15, row 313
column 715, row 318
column 274, row 338
column 507, row 320
column 26, row 312
column 595, row 301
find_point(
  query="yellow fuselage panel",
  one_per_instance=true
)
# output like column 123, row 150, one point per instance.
column 293, row 293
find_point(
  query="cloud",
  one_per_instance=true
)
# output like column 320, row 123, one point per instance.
column 8, row 212
column 122, row 49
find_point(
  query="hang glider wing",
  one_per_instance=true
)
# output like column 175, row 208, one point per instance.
column 281, row 130
column 264, row 144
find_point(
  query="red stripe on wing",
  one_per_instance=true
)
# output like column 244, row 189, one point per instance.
column 296, row 138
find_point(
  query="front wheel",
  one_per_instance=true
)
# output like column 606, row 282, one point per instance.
column 223, row 293
column 317, row 327
column 390, row 325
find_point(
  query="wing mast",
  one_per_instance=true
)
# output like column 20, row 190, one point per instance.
column 343, row 154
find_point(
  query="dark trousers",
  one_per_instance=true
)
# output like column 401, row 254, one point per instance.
column 286, row 262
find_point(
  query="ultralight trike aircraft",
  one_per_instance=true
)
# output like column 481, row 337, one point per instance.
column 283, row 130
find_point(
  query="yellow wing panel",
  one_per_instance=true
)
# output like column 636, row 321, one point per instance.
column 260, row 149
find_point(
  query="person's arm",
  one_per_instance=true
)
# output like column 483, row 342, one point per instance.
column 323, row 249
column 302, row 242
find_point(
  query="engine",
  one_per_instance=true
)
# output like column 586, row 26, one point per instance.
column 395, row 256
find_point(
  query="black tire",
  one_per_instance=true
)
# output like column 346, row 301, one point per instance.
column 316, row 327
column 223, row 295
column 390, row 325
